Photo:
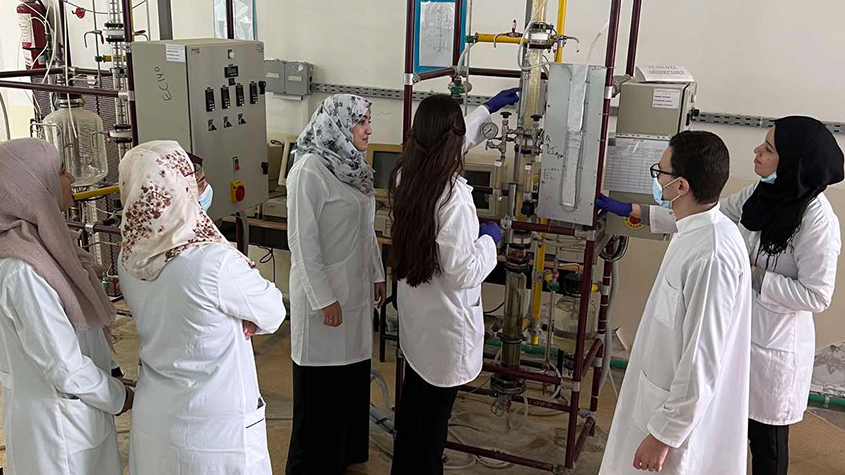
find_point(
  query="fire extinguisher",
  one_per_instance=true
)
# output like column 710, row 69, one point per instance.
column 32, row 18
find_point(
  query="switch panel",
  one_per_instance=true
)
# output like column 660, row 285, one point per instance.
column 190, row 102
column 209, row 100
column 225, row 102
column 239, row 95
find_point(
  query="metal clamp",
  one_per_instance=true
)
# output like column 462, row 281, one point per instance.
column 127, row 95
column 576, row 386
column 409, row 79
column 586, row 234
column 89, row 227
column 608, row 93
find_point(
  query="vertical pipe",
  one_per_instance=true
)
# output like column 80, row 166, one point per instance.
column 65, row 35
column 632, row 41
column 589, row 251
column 165, row 20
column 607, row 282
column 230, row 19
column 408, row 97
column 458, row 34
column 129, row 37
column 580, row 342
column 561, row 27
column 610, row 64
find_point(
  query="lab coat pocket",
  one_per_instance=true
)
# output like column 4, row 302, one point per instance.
column 771, row 329
column 650, row 398
column 6, row 379
column 339, row 281
column 667, row 304
column 84, row 427
column 255, row 435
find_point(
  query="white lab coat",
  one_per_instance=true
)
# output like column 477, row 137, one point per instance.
column 687, row 380
column 198, row 410
column 441, row 323
column 782, row 332
column 58, row 399
column 335, row 257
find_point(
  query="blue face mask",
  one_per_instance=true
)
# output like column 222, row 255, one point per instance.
column 657, row 191
column 206, row 197
column 770, row 179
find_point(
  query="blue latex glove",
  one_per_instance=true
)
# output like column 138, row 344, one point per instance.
column 508, row 97
column 616, row 207
column 491, row 229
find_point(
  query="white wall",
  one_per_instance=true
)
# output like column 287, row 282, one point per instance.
column 761, row 57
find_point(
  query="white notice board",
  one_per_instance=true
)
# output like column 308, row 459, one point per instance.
column 628, row 163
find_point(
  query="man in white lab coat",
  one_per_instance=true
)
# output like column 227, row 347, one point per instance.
column 683, row 408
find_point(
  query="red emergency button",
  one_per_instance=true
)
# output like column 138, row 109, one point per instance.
column 633, row 220
column 238, row 191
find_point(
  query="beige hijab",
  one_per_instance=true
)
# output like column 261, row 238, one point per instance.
column 33, row 229
column 161, row 214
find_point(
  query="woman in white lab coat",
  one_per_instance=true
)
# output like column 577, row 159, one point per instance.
column 440, row 257
column 58, row 397
column 336, row 276
column 196, row 302
column 793, row 241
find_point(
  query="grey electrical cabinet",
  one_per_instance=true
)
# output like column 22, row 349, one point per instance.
column 655, row 109
column 649, row 115
column 208, row 95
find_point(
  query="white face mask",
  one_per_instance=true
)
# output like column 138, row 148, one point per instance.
column 206, row 197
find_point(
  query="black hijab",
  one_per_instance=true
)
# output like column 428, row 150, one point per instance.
column 810, row 160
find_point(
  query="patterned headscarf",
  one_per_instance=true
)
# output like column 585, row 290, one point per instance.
column 161, row 216
column 329, row 136
column 33, row 229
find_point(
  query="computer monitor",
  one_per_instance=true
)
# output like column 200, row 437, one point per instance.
column 383, row 158
column 482, row 172
column 288, row 157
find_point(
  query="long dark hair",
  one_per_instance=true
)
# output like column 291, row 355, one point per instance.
column 431, row 157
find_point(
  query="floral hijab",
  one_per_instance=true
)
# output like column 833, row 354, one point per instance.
column 329, row 136
column 161, row 216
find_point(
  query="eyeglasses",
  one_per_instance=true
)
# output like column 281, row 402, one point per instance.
column 656, row 171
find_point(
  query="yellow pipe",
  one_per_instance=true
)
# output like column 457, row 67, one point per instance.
column 488, row 38
column 85, row 195
column 561, row 24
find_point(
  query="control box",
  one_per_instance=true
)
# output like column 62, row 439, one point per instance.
column 649, row 115
column 208, row 95
column 292, row 78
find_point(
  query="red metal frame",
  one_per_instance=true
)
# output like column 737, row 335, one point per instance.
column 575, row 440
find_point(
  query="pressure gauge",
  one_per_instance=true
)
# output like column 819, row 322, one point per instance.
column 490, row 130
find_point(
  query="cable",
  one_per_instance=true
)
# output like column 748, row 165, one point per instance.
column 495, row 309
column 269, row 257
column 5, row 118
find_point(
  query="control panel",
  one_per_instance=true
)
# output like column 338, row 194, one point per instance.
column 195, row 92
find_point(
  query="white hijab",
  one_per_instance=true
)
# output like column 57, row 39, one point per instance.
column 161, row 216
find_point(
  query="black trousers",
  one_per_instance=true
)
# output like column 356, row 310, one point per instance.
column 331, row 419
column 422, row 424
column 769, row 448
